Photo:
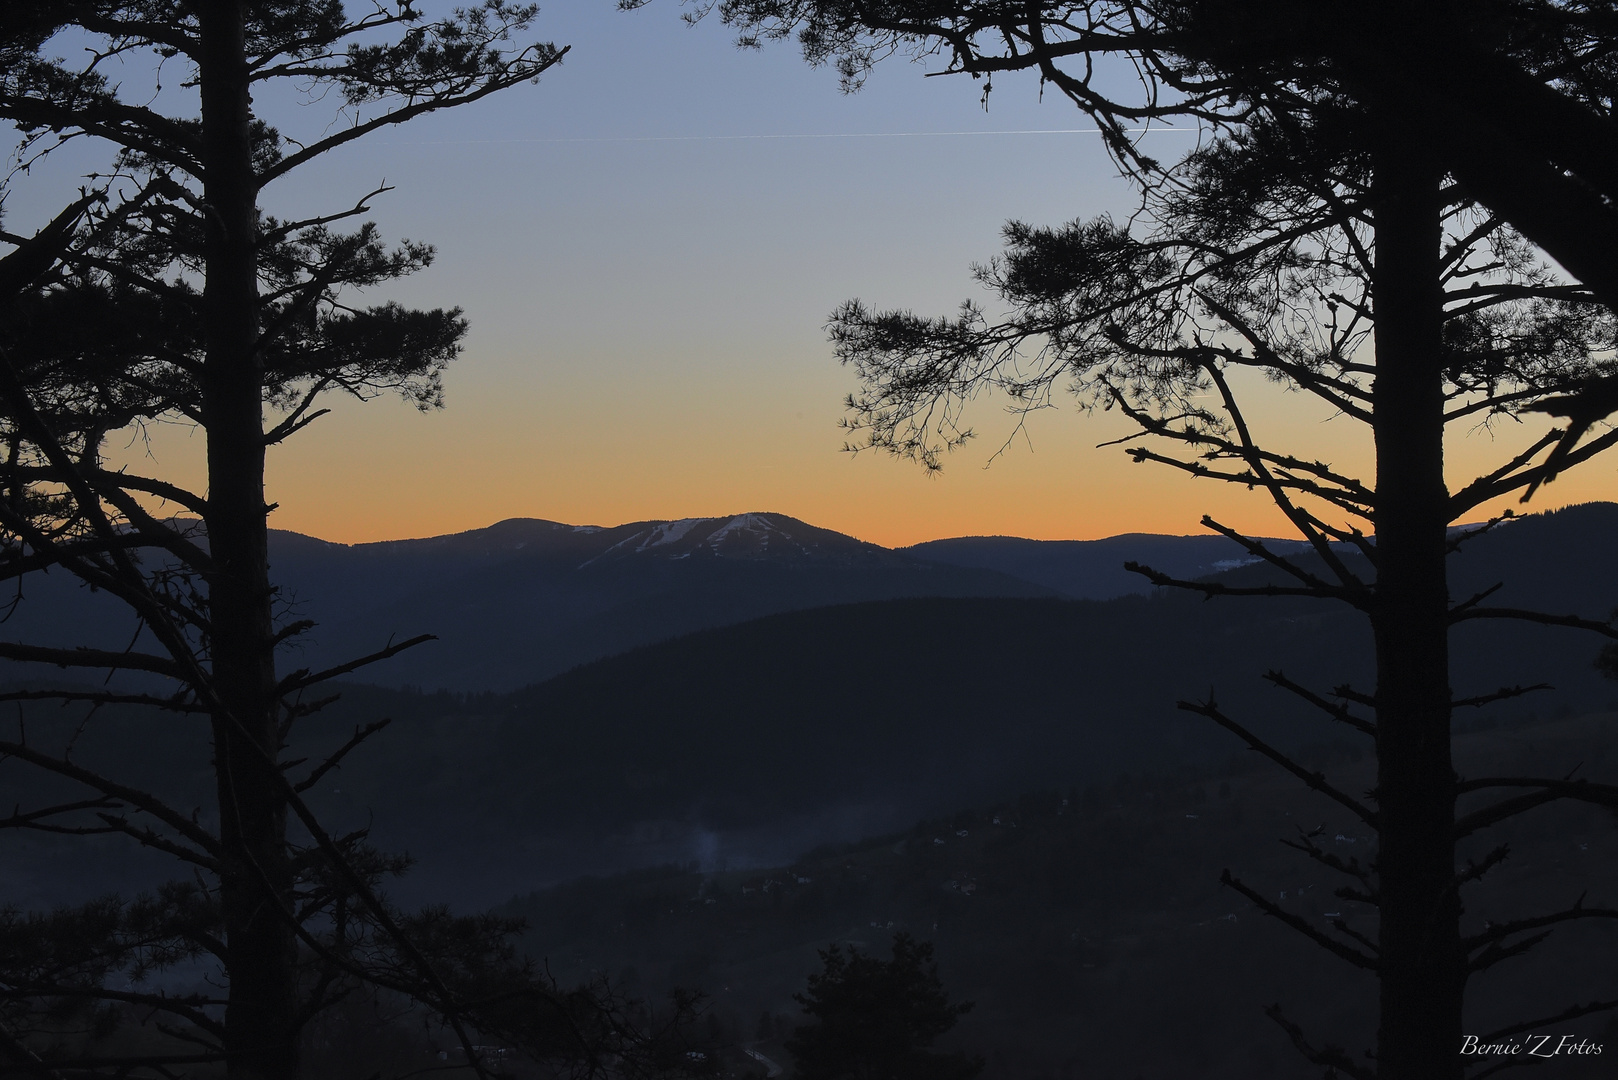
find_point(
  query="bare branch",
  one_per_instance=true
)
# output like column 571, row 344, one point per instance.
column 1336, row 710
column 1346, row 952
column 1332, row 1057
column 1475, row 870
column 1492, row 939
column 1547, row 791
column 1306, row 844
column 1210, row 589
column 1350, row 584
column 1477, row 598
column 1572, row 1012
column 1605, row 629
column 1505, row 693
column 38, row 820
column 171, row 704
column 140, row 800
column 301, row 679
column 148, row 838
column 360, row 735
column 90, row 658
column 1315, row 780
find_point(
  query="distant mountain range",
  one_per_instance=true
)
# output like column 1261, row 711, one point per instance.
column 748, row 743
column 753, row 741
column 526, row 599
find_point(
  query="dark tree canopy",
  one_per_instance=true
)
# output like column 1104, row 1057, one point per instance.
column 878, row 1019
column 1257, row 259
column 168, row 294
column 1515, row 98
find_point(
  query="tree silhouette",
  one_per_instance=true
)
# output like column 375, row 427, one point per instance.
column 877, row 1019
column 1515, row 96
column 1327, row 236
column 167, row 294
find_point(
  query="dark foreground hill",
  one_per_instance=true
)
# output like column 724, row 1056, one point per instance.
column 747, row 744
column 1089, row 926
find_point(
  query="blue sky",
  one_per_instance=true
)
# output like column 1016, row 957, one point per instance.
column 648, row 243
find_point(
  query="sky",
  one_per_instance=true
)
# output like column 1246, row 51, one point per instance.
column 648, row 244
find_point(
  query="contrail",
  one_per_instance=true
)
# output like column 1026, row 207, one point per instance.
column 744, row 138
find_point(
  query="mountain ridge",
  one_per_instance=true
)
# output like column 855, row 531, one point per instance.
column 754, row 741
column 520, row 601
column 524, row 599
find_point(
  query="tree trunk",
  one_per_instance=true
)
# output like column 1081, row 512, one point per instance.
column 1423, row 969
column 255, row 880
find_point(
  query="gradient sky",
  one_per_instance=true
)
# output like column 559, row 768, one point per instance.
column 647, row 245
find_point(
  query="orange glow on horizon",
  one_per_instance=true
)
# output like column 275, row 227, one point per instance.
column 383, row 472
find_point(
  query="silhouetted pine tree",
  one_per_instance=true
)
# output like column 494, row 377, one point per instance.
column 1361, row 229
column 166, row 294
column 878, row 1019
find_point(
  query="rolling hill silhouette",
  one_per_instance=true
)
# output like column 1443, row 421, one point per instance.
column 750, row 742
column 745, row 744
column 525, row 599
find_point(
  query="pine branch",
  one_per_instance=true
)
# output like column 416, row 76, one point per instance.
column 1572, row 1012
column 1477, row 598
column 529, row 69
column 37, row 820
column 148, row 838
column 1329, row 1056
column 1342, row 500
column 1346, row 952
column 1211, row 589
column 171, row 704
column 1482, row 489
column 1605, row 629
column 301, row 679
column 1491, row 940
column 190, row 1007
column 15, row 565
column 90, row 658
column 1341, row 394
column 1532, row 478
column 24, row 1058
column 1475, row 870
column 127, row 582
column 1336, row 710
column 1301, row 520
column 1494, row 954
column 122, row 1064
column 1472, row 534
column 140, row 800
column 1505, row 693
column 360, row 735
column 33, row 258
column 1549, row 791
column 1348, row 693
column 1349, row 582
column 1315, row 780
column 1306, row 844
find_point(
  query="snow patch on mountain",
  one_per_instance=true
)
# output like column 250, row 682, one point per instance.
column 670, row 532
column 743, row 523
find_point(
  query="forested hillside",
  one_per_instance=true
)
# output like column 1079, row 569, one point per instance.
column 746, row 745
column 1089, row 925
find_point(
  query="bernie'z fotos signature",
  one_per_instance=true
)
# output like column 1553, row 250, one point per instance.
column 1539, row 1046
